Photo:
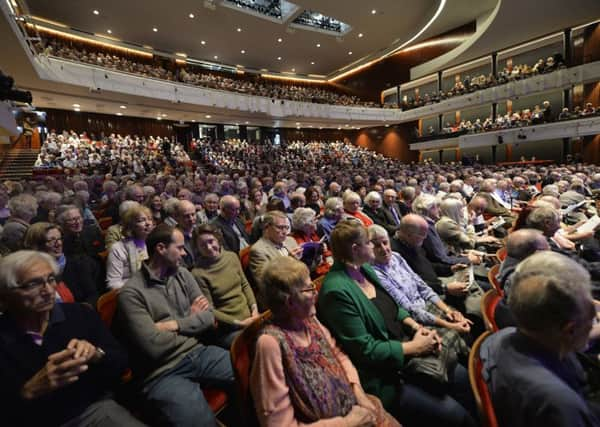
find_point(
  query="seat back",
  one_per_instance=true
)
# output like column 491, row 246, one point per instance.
column 493, row 279
column 245, row 257
column 105, row 222
column 241, row 359
column 501, row 254
column 106, row 306
column 479, row 386
column 489, row 301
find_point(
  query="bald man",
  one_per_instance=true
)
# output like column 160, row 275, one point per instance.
column 234, row 233
column 520, row 245
column 185, row 215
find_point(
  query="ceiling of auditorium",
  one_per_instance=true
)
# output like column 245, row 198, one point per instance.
column 235, row 38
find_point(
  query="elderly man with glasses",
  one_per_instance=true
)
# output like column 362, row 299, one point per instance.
column 58, row 362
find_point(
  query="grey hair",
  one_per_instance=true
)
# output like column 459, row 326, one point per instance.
column 13, row 264
column 126, row 205
column 302, row 217
column 269, row 217
column 423, row 204
column 373, row 195
column 551, row 190
column 62, row 210
column 23, row 206
column 170, row 205
column 49, row 197
column 539, row 216
column 332, row 204
column 453, row 209
column 350, row 195
column 377, row 232
column 546, row 291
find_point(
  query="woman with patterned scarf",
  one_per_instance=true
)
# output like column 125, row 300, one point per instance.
column 299, row 376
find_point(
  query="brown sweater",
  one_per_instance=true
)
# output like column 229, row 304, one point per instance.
column 224, row 282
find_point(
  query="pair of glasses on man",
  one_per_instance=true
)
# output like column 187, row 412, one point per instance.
column 37, row 283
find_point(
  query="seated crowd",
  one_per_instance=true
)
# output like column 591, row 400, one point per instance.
column 517, row 119
column 360, row 278
column 198, row 76
column 471, row 84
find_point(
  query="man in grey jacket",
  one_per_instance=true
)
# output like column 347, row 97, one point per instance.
column 161, row 316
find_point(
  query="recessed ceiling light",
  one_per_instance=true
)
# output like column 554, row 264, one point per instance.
column 279, row 40
column 239, row 30
column 293, row 70
column 123, row 107
column 373, row 12
column 109, row 31
column 279, row 58
column 216, row 56
column 155, row 29
column 242, row 51
column 159, row 118
column 163, row 115
column 350, row 53
column 77, row 109
column 360, row 35
column 318, row 44
column 191, row 15
column 76, row 105
column 312, row 62
column 119, row 114
column 297, row 123
column 96, row 12
column 339, row 128
column 193, row 120
column 208, row 116
column 202, row 42
column 247, row 123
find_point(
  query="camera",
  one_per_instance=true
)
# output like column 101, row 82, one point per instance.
column 9, row 93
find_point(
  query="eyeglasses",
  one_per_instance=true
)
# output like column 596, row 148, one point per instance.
column 53, row 240
column 281, row 227
column 74, row 219
column 37, row 283
column 310, row 289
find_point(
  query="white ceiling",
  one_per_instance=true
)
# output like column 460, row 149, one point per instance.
column 394, row 22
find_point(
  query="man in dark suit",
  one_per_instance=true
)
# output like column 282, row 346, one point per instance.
column 390, row 205
column 234, row 233
column 374, row 209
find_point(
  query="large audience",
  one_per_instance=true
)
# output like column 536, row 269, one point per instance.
column 471, row 84
column 355, row 281
column 517, row 119
column 199, row 76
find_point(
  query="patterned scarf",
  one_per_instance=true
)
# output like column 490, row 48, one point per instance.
column 317, row 382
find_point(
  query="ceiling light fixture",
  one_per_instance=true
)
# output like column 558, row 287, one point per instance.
column 318, row 44
column 191, row 15
column 76, row 105
column 239, row 30
column 109, row 31
column 312, row 62
column 119, row 114
column 350, row 53
column 360, row 35
column 155, row 29
column 193, row 120
column 373, row 12
column 77, row 109
column 293, row 70
column 122, row 107
column 202, row 42
column 96, row 12
column 208, row 116
column 247, row 123
column 159, row 118
column 279, row 58
column 242, row 51
column 279, row 40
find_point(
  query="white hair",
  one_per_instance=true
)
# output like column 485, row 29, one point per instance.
column 13, row 264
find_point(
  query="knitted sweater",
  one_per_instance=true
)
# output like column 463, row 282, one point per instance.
column 224, row 283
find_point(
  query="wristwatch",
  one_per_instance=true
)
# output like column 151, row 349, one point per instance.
column 99, row 355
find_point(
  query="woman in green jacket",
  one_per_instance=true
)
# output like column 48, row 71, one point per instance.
column 370, row 328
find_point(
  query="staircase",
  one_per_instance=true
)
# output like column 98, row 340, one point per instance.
column 18, row 163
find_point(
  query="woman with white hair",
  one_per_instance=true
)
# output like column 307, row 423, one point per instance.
column 454, row 230
column 334, row 211
column 352, row 202
column 58, row 362
column 315, row 253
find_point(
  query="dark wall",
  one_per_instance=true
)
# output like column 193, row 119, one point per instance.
column 108, row 123
column 391, row 141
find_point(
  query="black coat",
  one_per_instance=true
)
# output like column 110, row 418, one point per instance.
column 231, row 241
